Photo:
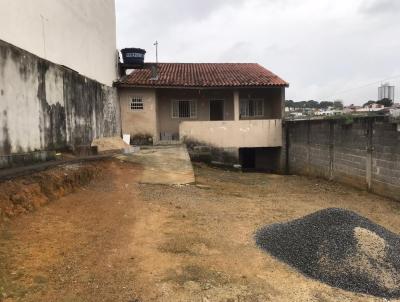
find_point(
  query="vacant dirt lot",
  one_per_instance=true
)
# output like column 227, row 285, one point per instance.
column 118, row 240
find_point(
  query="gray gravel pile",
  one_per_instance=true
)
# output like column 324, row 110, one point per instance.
column 340, row 248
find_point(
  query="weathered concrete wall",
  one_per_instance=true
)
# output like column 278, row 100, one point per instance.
column 44, row 106
column 364, row 153
column 78, row 34
column 233, row 134
column 220, row 141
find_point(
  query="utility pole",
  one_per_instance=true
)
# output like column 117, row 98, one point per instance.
column 156, row 45
column 44, row 34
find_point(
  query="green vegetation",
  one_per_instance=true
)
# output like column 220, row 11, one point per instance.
column 314, row 104
column 344, row 119
column 385, row 102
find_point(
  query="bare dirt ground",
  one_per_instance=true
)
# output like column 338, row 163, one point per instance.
column 118, row 240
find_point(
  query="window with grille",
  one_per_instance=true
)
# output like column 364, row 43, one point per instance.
column 184, row 109
column 136, row 104
column 252, row 108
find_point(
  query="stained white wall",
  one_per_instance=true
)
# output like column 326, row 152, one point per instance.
column 80, row 34
column 44, row 106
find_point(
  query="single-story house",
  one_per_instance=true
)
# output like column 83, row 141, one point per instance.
column 232, row 110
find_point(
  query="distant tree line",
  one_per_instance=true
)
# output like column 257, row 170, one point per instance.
column 314, row 104
column 385, row 102
column 338, row 105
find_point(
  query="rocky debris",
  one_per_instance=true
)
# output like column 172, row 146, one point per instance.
column 340, row 248
column 106, row 144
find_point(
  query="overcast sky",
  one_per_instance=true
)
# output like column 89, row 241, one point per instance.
column 325, row 49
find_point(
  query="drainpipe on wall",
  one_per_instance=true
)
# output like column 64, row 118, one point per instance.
column 236, row 110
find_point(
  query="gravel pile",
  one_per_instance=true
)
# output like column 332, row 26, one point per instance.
column 340, row 248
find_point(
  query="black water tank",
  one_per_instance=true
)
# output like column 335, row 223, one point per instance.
column 133, row 56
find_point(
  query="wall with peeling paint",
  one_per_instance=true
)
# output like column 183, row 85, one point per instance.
column 78, row 34
column 45, row 106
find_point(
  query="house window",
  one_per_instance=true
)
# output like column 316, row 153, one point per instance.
column 136, row 104
column 252, row 108
column 184, row 109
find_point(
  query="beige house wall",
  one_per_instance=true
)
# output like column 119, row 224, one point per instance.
column 157, row 117
column 272, row 102
column 164, row 101
column 234, row 134
column 142, row 122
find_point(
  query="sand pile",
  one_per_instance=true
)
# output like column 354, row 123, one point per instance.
column 340, row 248
column 105, row 144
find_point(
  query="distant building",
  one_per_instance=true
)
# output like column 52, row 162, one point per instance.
column 296, row 114
column 386, row 91
column 351, row 109
column 78, row 34
column 372, row 107
column 328, row 112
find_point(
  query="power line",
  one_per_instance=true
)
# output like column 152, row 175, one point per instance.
column 363, row 86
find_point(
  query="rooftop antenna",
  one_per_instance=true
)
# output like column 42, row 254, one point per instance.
column 156, row 45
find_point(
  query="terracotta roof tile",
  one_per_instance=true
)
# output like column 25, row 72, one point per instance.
column 203, row 75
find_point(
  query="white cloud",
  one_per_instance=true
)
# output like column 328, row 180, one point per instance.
column 321, row 47
column 377, row 7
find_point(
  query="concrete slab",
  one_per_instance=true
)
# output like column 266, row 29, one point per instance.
column 168, row 165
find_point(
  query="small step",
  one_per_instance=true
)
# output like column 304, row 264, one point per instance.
column 168, row 142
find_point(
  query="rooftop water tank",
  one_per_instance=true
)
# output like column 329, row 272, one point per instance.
column 133, row 56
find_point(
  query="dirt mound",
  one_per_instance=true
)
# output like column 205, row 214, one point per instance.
column 105, row 144
column 340, row 248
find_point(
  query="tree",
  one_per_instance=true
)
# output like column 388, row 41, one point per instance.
column 312, row 104
column 385, row 102
column 325, row 104
column 338, row 105
column 289, row 103
column 369, row 103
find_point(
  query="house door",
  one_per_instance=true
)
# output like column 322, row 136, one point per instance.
column 216, row 110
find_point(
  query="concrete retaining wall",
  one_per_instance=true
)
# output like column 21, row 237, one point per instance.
column 364, row 153
column 45, row 106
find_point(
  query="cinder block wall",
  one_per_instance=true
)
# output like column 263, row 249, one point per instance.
column 364, row 153
column 46, row 107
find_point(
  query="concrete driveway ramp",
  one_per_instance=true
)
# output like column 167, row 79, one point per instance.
column 168, row 165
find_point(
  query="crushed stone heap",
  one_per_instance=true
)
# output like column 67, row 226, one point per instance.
column 340, row 248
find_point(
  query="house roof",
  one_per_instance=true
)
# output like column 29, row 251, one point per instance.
column 203, row 75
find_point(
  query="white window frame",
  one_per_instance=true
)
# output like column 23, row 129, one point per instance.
column 175, row 114
column 244, row 107
column 139, row 101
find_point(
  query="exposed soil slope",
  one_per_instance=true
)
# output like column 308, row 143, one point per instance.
column 118, row 240
column 25, row 194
